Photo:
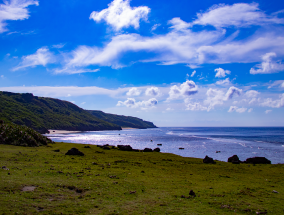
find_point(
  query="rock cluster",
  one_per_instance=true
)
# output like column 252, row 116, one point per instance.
column 74, row 151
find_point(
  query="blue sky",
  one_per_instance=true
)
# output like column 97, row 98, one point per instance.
column 175, row 63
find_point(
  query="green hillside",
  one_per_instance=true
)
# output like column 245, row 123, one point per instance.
column 123, row 121
column 42, row 113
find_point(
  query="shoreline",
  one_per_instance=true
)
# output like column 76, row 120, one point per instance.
column 62, row 132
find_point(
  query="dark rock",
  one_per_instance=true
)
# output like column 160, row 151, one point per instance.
column 258, row 160
column 124, row 147
column 191, row 193
column 87, row 147
column 159, row 144
column 147, row 150
column 56, row 150
column 157, row 150
column 106, row 148
column 181, row 148
column 182, row 196
column 208, row 160
column 5, row 168
column 218, row 151
column 234, row 159
column 74, row 151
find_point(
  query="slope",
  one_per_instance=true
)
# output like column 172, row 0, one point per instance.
column 42, row 113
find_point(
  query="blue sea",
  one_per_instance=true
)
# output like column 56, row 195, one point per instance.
column 197, row 142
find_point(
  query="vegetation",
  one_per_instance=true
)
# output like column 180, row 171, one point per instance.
column 123, row 121
column 121, row 182
column 42, row 113
column 21, row 135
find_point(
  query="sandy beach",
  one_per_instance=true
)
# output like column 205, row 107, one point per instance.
column 62, row 132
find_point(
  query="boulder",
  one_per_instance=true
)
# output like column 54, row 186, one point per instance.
column 258, row 160
column 234, row 159
column 124, row 147
column 74, row 151
column 147, row 150
column 157, row 150
column 192, row 193
column 208, row 160
column 106, row 147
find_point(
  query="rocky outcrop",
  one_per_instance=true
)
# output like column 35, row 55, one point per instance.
column 74, row 151
column 258, row 160
column 208, row 160
column 157, row 150
column 147, row 150
column 124, row 147
column 234, row 159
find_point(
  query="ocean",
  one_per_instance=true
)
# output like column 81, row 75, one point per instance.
column 220, row 143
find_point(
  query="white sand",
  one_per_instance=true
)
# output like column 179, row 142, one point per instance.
column 62, row 132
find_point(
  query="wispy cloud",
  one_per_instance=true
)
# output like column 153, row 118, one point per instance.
column 14, row 10
column 42, row 57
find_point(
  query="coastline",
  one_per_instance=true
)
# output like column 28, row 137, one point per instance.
column 62, row 132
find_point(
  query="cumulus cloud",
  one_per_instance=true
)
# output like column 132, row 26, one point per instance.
column 279, row 83
column 178, row 24
column 152, row 91
column 193, row 73
column 194, row 106
column 221, row 73
column 268, row 111
column 250, row 110
column 239, row 15
column 282, row 85
column 42, row 57
column 232, row 92
column 235, row 108
column 14, row 10
column 120, row 14
column 132, row 103
column 155, row 27
column 274, row 103
column 186, row 89
column 214, row 97
column 133, row 92
column 224, row 82
column 217, row 97
column 252, row 93
column 268, row 65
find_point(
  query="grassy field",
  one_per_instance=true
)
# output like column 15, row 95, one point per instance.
column 117, row 182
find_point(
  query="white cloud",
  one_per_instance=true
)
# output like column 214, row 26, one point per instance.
column 194, row 106
column 221, row 73
column 268, row 65
column 250, row 110
column 152, row 91
column 2, row 76
column 279, row 83
column 193, row 73
column 186, row 89
column 120, row 14
column 178, row 25
column 214, row 97
column 274, row 103
column 58, row 46
column 42, row 57
column 14, row 10
column 83, row 103
column 74, row 70
column 224, row 82
column 268, row 111
column 133, row 92
column 231, row 92
column 155, row 27
column 169, row 109
column 131, row 102
column 235, row 108
column 239, row 15
column 252, row 93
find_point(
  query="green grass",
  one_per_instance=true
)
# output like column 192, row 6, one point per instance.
column 117, row 182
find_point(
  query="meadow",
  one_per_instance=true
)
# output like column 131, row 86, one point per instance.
column 43, row 180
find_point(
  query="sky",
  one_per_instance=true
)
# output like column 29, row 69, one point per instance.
column 174, row 63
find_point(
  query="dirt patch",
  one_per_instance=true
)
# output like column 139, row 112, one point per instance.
column 28, row 188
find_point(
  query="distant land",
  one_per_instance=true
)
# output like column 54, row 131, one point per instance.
column 41, row 114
